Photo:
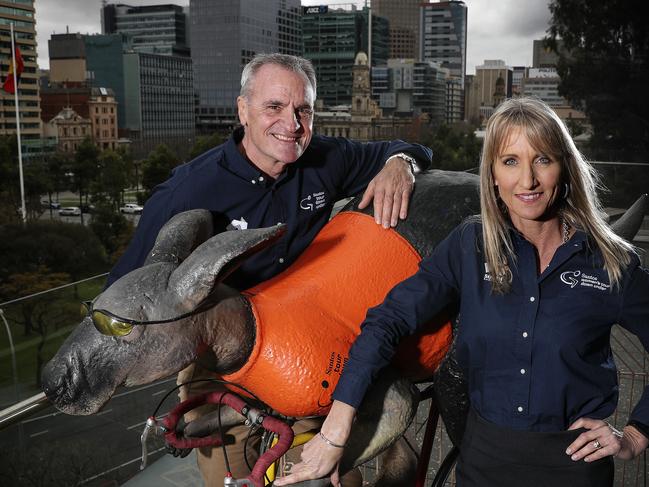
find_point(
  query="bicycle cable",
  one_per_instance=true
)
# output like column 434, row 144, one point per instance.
column 223, row 382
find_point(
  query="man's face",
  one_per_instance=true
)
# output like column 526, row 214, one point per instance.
column 277, row 115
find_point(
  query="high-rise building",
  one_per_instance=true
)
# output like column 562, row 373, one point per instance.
column 225, row 35
column 67, row 60
column 105, row 67
column 542, row 56
column 443, row 27
column 154, row 29
column 543, row 83
column 332, row 39
column 21, row 14
column 406, row 88
column 492, row 83
column 403, row 16
column 442, row 39
column 518, row 74
column 159, row 97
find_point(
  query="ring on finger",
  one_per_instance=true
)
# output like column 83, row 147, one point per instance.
column 597, row 445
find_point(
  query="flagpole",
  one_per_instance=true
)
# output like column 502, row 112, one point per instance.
column 23, row 209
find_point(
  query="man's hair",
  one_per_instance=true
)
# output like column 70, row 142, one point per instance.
column 579, row 205
column 298, row 65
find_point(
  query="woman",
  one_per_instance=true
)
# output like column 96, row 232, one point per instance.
column 540, row 279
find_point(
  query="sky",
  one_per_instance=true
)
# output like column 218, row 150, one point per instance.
column 496, row 30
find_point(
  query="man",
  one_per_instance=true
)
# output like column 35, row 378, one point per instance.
column 273, row 170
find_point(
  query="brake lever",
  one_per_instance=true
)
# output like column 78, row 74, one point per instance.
column 151, row 428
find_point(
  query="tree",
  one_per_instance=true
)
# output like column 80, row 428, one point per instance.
column 455, row 147
column 112, row 229
column 111, row 179
column 203, row 144
column 9, row 187
column 604, row 68
column 60, row 247
column 157, row 167
column 84, row 169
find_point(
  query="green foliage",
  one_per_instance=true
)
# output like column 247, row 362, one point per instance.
column 110, row 180
column 604, row 68
column 112, row 229
column 84, row 167
column 59, row 247
column 205, row 143
column 455, row 148
column 157, row 167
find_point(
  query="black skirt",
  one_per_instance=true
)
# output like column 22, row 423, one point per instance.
column 491, row 456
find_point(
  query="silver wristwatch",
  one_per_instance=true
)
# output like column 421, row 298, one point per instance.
column 408, row 158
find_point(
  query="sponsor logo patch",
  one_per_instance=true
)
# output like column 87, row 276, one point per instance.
column 314, row 201
column 578, row 278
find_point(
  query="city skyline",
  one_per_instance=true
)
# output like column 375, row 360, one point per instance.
column 504, row 32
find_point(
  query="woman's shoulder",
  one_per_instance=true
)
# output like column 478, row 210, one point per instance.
column 471, row 227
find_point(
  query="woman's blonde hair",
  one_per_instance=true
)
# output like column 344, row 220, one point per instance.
column 579, row 204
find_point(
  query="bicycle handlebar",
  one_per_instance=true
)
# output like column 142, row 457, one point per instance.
column 254, row 416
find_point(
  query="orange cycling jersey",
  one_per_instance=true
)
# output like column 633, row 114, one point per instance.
column 308, row 316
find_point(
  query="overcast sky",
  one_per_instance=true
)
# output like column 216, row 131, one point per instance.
column 497, row 30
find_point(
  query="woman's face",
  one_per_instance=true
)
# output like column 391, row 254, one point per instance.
column 527, row 180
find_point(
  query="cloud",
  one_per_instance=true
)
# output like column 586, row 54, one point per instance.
column 504, row 30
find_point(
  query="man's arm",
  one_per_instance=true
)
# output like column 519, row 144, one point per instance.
column 386, row 171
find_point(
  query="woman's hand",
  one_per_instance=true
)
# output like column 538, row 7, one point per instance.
column 321, row 456
column 602, row 440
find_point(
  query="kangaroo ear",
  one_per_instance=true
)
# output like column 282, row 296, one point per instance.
column 179, row 237
column 214, row 260
column 628, row 224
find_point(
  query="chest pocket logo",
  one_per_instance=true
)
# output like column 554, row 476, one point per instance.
column 314, row 201
column 570, row 278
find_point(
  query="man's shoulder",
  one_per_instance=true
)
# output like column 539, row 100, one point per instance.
column 202, row 168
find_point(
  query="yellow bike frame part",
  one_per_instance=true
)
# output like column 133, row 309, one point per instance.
column 299, row 440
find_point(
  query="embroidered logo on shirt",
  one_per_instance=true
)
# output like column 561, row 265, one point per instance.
column 240, row 224
column 572, row 278
column 314, row 201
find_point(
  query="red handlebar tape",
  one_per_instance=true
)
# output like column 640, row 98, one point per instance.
column 235, row 402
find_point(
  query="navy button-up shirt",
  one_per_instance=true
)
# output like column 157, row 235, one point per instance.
column 537, row 358
column 224, row 182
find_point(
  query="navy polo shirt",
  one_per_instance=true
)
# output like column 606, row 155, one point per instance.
column 537, row 358
column 302, row 197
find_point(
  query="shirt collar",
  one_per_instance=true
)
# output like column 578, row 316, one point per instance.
column 578, row 239
column 239, row 165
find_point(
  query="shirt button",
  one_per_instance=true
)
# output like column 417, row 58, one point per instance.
column 524, row 334
column 253, row 181
column 281, row 260
column 532, row 299
column 261, row 179
column 522, row 371
column 519, row 409
column 279, row 223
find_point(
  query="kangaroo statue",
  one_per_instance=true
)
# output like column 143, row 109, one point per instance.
column 287, row 339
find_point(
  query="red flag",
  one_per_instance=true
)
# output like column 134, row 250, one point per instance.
column 8, row 84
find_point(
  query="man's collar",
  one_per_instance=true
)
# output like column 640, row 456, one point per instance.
column 236, row 162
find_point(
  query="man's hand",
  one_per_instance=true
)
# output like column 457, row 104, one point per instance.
column 391, row 190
